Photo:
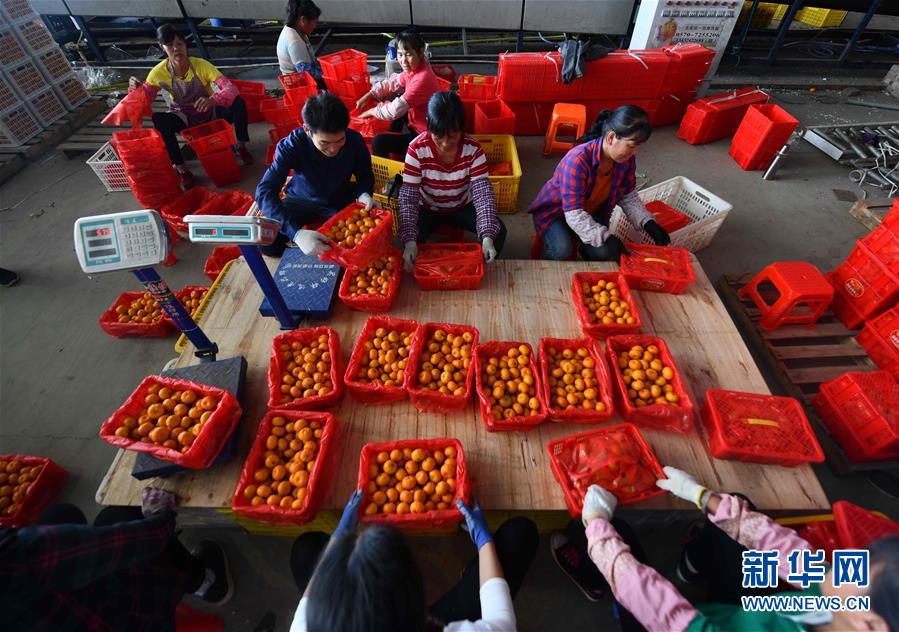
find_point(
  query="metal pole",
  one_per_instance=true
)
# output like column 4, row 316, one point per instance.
column 323, row 41
column 859, row 30
column 192, row 25
column 782, row 31
column 269, row 289
column 89, row 38
column 464, row 42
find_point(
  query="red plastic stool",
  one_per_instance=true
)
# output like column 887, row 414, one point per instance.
column 799, row 283
column 564, row 115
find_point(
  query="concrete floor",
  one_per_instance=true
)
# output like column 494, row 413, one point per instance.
column 60, row 375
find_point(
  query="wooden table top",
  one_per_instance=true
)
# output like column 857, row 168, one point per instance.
column 518, row 300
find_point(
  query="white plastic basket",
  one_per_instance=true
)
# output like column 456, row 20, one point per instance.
column 12, row 52
column 109, row 169
column 71, row 91
column 707, row 210
column 46, row 106
column 18, row 125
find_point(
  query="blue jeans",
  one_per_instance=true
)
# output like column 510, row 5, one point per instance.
column 559, row 243
column 305, row 211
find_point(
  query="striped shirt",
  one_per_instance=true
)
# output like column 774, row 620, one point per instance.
column 440, row 188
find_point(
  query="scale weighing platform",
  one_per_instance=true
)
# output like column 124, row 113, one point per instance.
column 307, row 284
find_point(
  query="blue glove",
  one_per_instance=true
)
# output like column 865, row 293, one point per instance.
column 475, row 523
column 350, row 514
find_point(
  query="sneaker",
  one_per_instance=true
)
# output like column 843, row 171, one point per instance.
column 686, row 572
column 8, row 278
column 245, row 156
column 187, row 180
column 218, row 587
column 578, row 566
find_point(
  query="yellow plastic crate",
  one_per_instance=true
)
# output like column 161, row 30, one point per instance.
column 384, row 171
column 781, row 11
column 813, row 16
column 501, row 148
column 181, row 343
column 763, row 15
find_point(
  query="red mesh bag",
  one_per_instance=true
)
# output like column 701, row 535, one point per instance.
column 858, row 527
column 277, row 364
column 428, row 519
column 373, row 303
column 427, row 400
column 208, row 443
column 616, row 458
column 588, row 320
column 319, row 478
column 234, row 202
column 40, row 494
column 217, row 260
column 485, row 351
column 133, row 108
column 188, row 203
column 372, row 246
column 110, row 324
column 677, row 418
column 657, row 268
column 378, row 393
column 759, row 429
column 604, row 387
column 449, row 266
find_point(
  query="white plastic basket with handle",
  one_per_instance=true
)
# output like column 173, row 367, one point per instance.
column 109, row 169
column 706, row 210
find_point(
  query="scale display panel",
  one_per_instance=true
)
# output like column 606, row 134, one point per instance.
column 120, row 241
column 231, row 229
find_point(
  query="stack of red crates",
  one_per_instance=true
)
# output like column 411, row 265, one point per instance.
column 212, row 143
column 475, row 89
column 252, row 92
column 763, row 131
column 880, row 338
column 867, row 283
column 718, row 116
column 346, row 75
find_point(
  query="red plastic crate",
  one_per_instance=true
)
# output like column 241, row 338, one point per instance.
column 298, row 86
column 763, row 131
column 477, row 87
column 671, row 108
column 40, row 494
column 249, row 88
column 861, row 411
column 823, row 535
column 625, row 74
column 218, row 259
column 231, row 202
column 444, row 71
column 53, row 64
column 858, row 527
column 687, row 67
column 208, row 138
column 11, row 51
column 221, row 167
column 657, row 268
column 676, row 418
column 576, row 461
column 493, row 117
column 599, row 330
column 253, row 93
column 883, row 241
column 427, row 400
column 449, row 266
column 718, row 116
column 864, row 286
column 759, row 429
column 601, row 375
column 370, row 393
column 373, row 303
column 188, row 203
column 344, row 64
column 280, row 131
column 350, row 88
column 279, row 112
column 496, row 349
column 109, row 321
column 372, row 246
column 26, row 78
column 277, row 364
column 880, row 338
column 667, row 217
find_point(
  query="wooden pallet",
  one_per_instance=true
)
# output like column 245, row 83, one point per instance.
column 92, row 136
column 799, row 360
column 870, row 213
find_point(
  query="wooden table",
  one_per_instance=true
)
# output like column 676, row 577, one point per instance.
column 518, row 300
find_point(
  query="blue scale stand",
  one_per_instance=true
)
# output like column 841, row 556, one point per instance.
column 307, row 284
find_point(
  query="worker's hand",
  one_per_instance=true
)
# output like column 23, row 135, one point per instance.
column 311, row 242
column 659, row 235
column 134, row 83
column 475, row 523
column 154, row 500
column 367, row 200
column 350, row 515
column 204, row 104
column 615, row 248
column 598, row 503
column 367, row 114
column 489, row 250
column 410, row 251
column 363, row 101
column 682, row 485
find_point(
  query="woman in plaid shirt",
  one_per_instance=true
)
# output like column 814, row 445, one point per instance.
column 573, row 209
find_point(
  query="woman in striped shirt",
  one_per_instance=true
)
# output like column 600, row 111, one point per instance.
column 445, row 183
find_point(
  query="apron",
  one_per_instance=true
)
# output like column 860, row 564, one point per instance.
column 184, row 94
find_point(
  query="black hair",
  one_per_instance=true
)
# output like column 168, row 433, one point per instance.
column 167, row 33
column 410, row 40
column 884, row 590
column 445, row 114
column 367, row 581
column 627, row 121
column 297, row 9
column 324, row 112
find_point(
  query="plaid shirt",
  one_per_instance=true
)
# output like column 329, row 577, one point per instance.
column 572, row 182
column 79, row 577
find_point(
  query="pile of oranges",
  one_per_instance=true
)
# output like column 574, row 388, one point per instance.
column 191, row 300
column 603, row 301
column 351, row 231
column 572, row 380
column 290, row 452
column 15, row 479
column 648, row 380
column 375, row 279
column 384, row 357
column 141, row 310
column 444, row 362
column 411, row 481
column 306, row 369
column 172, row 418
column 509, row 384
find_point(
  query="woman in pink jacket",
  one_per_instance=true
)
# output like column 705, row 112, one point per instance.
column 403, row 97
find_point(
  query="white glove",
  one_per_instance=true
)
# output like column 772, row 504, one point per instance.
column 489, row 250
column 365, row 198
column 410, row 251
column 311, row 242
column 598, row 503
column 586, row 228
column 682, row 485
